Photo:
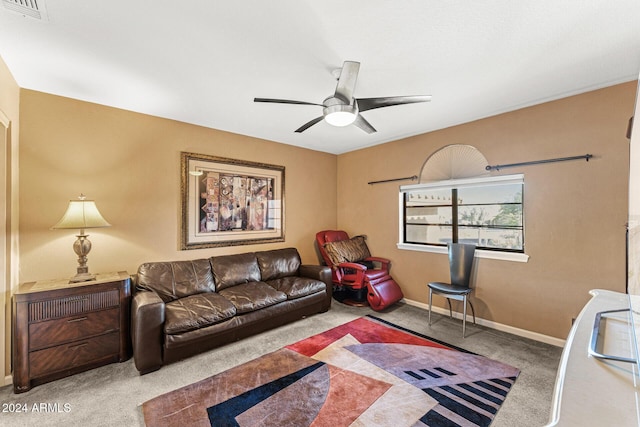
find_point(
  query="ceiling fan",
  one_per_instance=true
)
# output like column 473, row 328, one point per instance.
column 342, row 108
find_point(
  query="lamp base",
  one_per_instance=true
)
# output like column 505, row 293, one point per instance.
column 81, row 247
column 82, row 277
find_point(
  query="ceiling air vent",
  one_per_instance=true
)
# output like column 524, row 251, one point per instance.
column 31, row 8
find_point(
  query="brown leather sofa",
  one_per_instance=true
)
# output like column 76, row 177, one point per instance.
column 182, row 308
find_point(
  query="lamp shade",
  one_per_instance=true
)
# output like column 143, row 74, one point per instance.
column 81, row 214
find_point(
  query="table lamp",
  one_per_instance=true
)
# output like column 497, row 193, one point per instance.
column 82, row 214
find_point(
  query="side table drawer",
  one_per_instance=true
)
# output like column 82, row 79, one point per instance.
column 72, row 305
column 54, row 332
column 74, row 354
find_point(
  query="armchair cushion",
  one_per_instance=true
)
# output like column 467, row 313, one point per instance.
column 352, row 250
column 196, row 311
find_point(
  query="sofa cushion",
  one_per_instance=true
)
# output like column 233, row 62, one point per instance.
column 231, row 270
column 278, row 263
column 252, row 296
column 196, row 311
column 177, row 279
column 352, row 250
column 296, row 287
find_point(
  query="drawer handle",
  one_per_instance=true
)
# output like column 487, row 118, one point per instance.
column 72, row 347
column 79, row 319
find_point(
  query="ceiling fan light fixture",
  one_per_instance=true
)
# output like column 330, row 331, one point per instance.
column 340, row 115
column 343, row 108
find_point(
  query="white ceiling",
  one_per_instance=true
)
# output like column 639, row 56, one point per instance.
column 203, row 61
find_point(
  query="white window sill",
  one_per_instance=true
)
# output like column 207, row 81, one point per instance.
column 503, row 256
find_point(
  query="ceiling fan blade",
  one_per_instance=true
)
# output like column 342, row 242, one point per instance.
column 284, row 101
column 365, row 104
column 309, row 124
column 347, row 81
column 363, row 124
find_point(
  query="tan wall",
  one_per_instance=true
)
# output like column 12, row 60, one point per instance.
column 130, row 164
column 575, row 212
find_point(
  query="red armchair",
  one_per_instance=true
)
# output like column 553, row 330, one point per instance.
column 363, row 278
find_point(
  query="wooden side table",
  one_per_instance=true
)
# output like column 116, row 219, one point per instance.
column 62, row 328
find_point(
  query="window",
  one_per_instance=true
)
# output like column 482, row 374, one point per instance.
column 487, row 212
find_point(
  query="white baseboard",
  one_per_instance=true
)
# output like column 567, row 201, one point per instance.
column 493, row 325
column 8, row 380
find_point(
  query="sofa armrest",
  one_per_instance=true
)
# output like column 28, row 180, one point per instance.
column 147, row 323
column 319, row 272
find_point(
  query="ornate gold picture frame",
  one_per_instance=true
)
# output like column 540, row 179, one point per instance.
column 228, row 202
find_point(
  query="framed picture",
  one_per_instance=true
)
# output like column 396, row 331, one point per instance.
column 227, row 202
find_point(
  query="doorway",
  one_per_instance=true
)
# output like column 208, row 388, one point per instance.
column 5, row 249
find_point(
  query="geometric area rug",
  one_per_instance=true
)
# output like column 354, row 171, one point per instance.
column 367, row 372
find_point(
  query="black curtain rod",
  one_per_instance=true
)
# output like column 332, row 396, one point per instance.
column 412, row 178
column 537, row 162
